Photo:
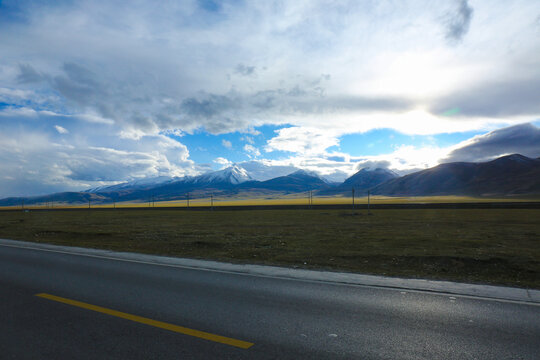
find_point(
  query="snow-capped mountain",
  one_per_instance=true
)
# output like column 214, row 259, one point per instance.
column 445, row 179
column 231, row 175
column 262, row 172
column 136, row 184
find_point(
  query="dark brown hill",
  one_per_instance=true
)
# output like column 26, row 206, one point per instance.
column 508, row 175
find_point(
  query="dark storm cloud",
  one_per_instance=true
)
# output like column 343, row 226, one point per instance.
column 216, row 111
column 209, row 106
column 493, row 99
column 27, row 74
column 521, row 139
column 457, row 23
column 83, row 87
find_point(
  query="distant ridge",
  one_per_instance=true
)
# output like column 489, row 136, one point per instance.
column 363, row 180
column 506, row 176
column 135, row 184
column 297, row 181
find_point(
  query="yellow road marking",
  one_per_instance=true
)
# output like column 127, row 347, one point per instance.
column 155, row 323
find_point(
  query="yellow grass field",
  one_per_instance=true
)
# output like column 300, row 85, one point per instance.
column 296, row 199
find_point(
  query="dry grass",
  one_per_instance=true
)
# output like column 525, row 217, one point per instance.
column 294, row 199
column 499, row 246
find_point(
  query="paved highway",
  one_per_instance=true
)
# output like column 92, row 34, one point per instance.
column 56, row 305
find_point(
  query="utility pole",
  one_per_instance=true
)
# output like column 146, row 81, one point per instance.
column 212, row 201
column 89, row 203
column 153, row 203
column 188, row 200
column 114, row 204
column 369, row 213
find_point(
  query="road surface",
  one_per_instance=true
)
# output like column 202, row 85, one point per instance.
column 57, row 305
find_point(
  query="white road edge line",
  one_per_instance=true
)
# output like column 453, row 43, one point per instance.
column 387, row 287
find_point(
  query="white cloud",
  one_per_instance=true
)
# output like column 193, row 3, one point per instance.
column 222, row 162
column 82, row 160
column 303, row 140
column 252, row 151
column 226, row 143
column 18, row 111
column 175, row 132
column 60, row 129
column 263, row 170
column 407, row 158
column 523, row 139
column 247, row 139
column 93, row 118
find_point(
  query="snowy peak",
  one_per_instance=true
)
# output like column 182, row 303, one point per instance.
column 231, row 175
column 135, row 184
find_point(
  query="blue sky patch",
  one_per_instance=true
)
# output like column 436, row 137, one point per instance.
column 205, row 147
column 385, row 141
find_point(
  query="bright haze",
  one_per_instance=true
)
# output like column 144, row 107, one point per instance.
column 96, row 93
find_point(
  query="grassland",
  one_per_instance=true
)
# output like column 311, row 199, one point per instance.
column 498, row 246
column 261, row 200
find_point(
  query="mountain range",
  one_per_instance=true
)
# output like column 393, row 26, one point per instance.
column 505, row 176
column 508, row 175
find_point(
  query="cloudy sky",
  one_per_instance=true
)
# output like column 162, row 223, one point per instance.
column 95, row 93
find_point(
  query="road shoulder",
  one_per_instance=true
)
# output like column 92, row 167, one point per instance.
column 444, row 287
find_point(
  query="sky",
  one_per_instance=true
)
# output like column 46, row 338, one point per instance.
column 96, row 93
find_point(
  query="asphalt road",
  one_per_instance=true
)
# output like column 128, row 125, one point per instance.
column 282, row 318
